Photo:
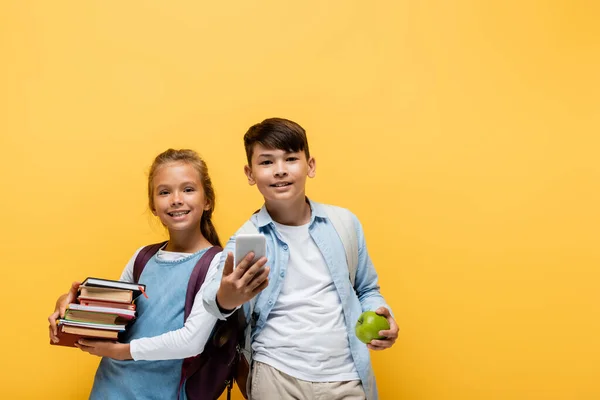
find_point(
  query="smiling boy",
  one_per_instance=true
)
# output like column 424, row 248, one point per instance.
column 303, row 342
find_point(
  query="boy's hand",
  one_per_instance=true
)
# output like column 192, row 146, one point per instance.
column 242, row 284
column 390, row 335
column 60, row 308
column 105, row 348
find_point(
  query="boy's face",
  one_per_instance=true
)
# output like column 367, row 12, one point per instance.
column 279, row 175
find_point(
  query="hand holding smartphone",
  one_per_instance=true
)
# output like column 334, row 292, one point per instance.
column 249, row 242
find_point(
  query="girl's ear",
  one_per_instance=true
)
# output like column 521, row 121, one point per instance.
column 154, row 212
column 248, row 172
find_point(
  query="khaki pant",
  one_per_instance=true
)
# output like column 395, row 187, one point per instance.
column 267, row 383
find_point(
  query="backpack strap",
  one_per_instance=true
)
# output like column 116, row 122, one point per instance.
column 143, row 257
column 343, row 223
column 197, row 278
column 248, row 227
column 192, row 364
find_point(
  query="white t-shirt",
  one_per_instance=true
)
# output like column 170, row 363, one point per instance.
column 305, row 334
column 182, row 343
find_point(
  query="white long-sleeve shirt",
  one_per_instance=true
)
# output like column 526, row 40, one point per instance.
column 182, row 343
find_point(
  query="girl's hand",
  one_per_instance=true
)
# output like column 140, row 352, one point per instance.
column 242, row 283
column 105, row 348
column 390, row 335
column 60, row 308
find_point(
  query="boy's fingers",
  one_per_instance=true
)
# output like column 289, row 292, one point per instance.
column 259, row 280
column 390, row 334
column 379, row 343
column 260, row 287
column 383, row 311
column 376, row 348
column 243, row 266
column 255, row 270
column 228, row 268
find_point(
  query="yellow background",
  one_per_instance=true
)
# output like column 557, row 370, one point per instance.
column 463, row 134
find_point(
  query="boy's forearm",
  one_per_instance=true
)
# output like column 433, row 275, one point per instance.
column 209, row 299
column 224, row 306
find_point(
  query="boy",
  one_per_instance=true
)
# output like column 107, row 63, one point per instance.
column 303, row 341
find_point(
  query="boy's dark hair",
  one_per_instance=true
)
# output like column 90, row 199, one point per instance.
column 276, row 133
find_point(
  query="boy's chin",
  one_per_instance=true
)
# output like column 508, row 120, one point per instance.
column 281, row 197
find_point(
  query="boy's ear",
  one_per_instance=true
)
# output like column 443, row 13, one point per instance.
column 248, row 172
column 312, row 167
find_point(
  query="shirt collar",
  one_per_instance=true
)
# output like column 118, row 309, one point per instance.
column 316, row 211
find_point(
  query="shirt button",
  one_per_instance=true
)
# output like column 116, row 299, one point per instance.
column 285, row 247
column 282, row 274
column 270, row 302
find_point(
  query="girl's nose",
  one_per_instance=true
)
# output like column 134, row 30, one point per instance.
column 176, row 199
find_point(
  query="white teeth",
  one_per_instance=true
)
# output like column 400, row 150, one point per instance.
column 178, row 214
column 281, row 184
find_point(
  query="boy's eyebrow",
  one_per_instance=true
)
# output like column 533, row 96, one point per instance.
column 285, row 153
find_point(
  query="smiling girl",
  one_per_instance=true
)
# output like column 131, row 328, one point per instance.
column 181, row 195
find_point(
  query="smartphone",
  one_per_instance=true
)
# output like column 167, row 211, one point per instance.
column 247, row 242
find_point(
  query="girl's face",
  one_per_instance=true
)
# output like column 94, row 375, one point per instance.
column 179, row 198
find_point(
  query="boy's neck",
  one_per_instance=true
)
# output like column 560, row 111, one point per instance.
column 292, row 213
column 186, row 241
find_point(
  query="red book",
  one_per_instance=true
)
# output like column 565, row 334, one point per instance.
column 69, row 335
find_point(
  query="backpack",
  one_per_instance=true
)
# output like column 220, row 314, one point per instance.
column 208, row 374
column 342, row 221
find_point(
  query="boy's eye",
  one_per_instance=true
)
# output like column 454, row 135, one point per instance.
column 292, row 158
column 265, row 162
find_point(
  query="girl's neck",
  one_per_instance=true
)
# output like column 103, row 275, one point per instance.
column 293, row 213
column 186, row 241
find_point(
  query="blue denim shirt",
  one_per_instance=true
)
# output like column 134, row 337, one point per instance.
column 364, row 296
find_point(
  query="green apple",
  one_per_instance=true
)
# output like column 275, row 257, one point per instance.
column 368, row 326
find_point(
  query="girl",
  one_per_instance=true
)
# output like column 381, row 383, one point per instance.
column 181, row 195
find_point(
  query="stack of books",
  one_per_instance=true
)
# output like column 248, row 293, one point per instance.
column 102, row 310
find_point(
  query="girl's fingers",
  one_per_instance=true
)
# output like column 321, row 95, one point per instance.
column 52, row 320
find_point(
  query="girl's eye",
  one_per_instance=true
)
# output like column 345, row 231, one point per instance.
column 163, row 193
column 189, row 189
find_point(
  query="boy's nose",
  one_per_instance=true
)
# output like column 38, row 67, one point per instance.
column 280, row 173
column 280, row 170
